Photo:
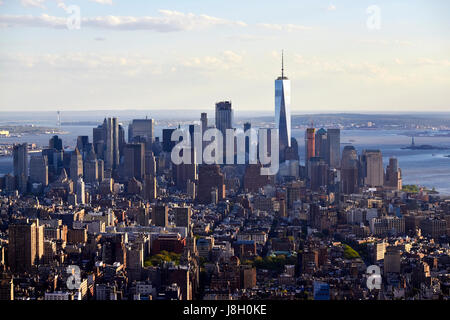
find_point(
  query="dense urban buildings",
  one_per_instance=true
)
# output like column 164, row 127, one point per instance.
column 129, row 224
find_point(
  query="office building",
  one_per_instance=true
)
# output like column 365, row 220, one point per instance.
column 160, row 215
column 142, row 130
column 149, row 188
column 83, row 145
column 224, row 116
column 106, row 143
column 55, row 143
column 26, row 245
column 321, row 145
column 134, row 161
column 204, row 121
column 349, row 171
column 20, row 160
column 210, row 177
column 310, row 144
column 76, row 165
column 433, row 227
column 318, row 173
column 168, row 144
column 372, row 168
column 387, row 226
column 90, row 167
column 253, row 180
column 392, row 259
column 393, row 176
column 283, row 109
column 39, row 170
column 81, row 192
column 334, row 148
column 183, row 217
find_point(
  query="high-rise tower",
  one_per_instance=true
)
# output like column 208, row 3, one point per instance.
column 372, row 168
column 106, row 142
column 283, row 108
column 224, row 116
column 20, row 158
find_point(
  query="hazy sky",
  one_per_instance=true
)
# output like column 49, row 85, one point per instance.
column 160, row 54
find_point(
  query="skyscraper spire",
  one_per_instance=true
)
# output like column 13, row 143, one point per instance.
column 282, row 108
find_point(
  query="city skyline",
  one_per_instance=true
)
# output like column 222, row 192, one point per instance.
column 151, row 151
column 133, row 56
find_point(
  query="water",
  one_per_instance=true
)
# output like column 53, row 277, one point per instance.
column 429, row 168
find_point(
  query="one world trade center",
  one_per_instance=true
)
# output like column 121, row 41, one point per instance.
column 283, row 109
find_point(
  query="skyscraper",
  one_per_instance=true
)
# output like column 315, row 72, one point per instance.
column 224, row 116
column 310, row 143
column 134, row 161
column 112, row 143
column 204, row 121
column 39, row 170
column 20, row 158
column 26, row 245
column 76, row 165
column 372, row 168
column 393, row 177
column 149, row 188
column 321, row 145
column 334, row 147
column 144, row 129
column 81, row 193
column 349, row 170
column 318, row 173
column 90, row 166
column 183, row 217
column 210, row 177
column 150, row 163
column 283, row 109
column 168, row 144
column 106, row 143
column 55, row 143
column 83, row 145
column 160, row 215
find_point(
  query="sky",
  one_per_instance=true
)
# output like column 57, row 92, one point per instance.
column 341, row 56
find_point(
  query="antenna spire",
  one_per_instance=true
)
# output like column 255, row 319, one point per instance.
column 282, row 64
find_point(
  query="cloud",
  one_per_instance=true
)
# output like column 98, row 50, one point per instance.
column 168, row 21
column 33, row 3
column 283, row 27
column 103, row 1
column 76, row 60
column 43, row 20
column 227, row 60
column 86, row 64
column 314, row 66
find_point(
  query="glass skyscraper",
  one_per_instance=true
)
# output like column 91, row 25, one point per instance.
column 224, row 116
column 283, row 109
